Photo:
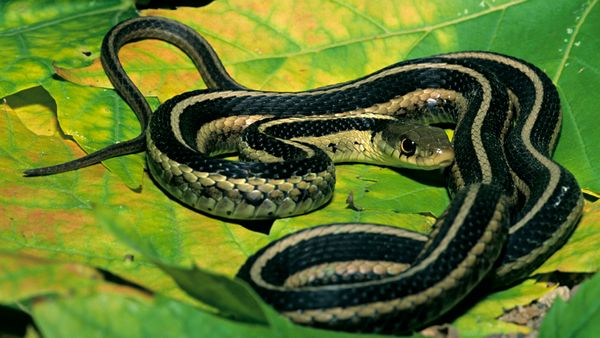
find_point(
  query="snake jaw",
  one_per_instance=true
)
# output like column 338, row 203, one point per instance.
column 442, row 158
column 430, row 160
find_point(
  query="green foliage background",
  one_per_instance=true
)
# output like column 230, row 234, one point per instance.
column 57, row 231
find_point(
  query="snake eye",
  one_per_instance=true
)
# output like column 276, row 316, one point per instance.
column 408, row 146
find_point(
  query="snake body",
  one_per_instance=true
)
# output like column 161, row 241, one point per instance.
column 512, row 206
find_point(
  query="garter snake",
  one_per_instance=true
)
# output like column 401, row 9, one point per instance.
column 512, row 206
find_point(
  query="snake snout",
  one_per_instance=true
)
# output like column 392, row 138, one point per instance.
column 436, row 158
column 444, row 157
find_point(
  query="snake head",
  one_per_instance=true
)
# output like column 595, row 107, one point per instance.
column 415, row 146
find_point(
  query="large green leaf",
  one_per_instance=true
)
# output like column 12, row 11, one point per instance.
column 576, row 73
column 116, row 315
column 284, row 45
column 36, row 33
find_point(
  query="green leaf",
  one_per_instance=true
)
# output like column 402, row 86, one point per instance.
column 370, row 187
column 575, row 74
column 157, row 68
column 228, row 296
column 88, row 115
column 37, row 33
column 579, row 317
column 106, row 315
column 63, row 217
column 37, row 107
column 65, row 224
column 114, row 315
column 231, row 297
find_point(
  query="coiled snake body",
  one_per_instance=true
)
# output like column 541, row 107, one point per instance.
column 512, row 205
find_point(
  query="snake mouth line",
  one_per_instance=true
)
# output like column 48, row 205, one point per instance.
column 444, row 158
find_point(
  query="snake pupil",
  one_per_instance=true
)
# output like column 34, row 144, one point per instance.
column 408, row 146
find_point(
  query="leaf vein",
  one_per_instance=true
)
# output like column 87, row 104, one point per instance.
column 571, row 43
column 386, row 35
column 358, row 13
column 579, row 135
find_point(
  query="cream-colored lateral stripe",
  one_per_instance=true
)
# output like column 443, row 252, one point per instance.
column 351, row 115
column 526, row 133
column 409, row 301
column 181, row 105
column 281, row 245
column 343, row 268
column 477, row 128
column 261, row 262
column 535, row 253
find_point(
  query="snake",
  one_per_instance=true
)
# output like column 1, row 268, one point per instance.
column 511, row 205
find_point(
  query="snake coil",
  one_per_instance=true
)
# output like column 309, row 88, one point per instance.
column 512, row 205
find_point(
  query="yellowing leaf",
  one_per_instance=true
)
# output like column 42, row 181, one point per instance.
column 25, row 277
column 88, row 115
column 37, row 107
column 159, row 70
column 580, row 254
column 64, row 223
